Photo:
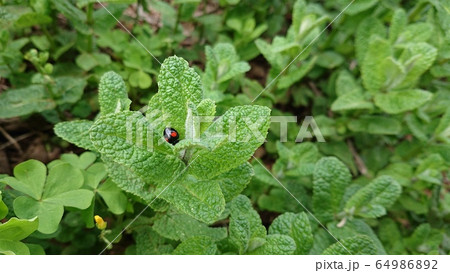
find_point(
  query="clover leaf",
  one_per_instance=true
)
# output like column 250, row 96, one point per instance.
column 45, row 196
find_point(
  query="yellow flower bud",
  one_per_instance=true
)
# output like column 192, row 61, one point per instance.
column 99, row 222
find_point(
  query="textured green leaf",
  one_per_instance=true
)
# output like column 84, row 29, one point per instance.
column 398, row 23
column 241, row 208
column 351, row 101
column 354, row 227
column 276, row 244
column 239, row 132
column 415, row 33
column 222, row 64
column 279, row 200
column 176, row 226
column 396, row 102
column 390, row 235
column 356, row 6
column 331, row 177
column 129, row 140
column 372, row 200
column 346, row 83
column 296, row 161
column 377, row 125
column 200, row 245
column 178, row 85
column 76, row 16
column 148, row 242
column 207, row 109
column 368, row 27
column 424, row 239
column 202, row 200
column 234, row 181
column 129, row 180
column 372, row 69
column 296, row 226
column 68, row 89
column 76, row 132
column 357, row 245
column 442, row 131
column 418, row 58
column 32, row 19
column 87, row 61
column 18, row 229
column 24, row 101
column 240, row 232
column 112, row 94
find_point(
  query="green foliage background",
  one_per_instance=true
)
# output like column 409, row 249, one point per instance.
column 375, row 81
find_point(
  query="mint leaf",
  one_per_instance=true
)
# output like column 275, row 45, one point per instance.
column 366, row 29
column 222, row 65
column 418, row 57
column 128, row 139
column 331, row 177
column 234, row 181
column 129, row 180
column 199, row 245
column 297, row 227
column 372, row 69
column 276, row 244
column 354, row 227
column 398, row 24
column 351, row 101
column 377, row 125
column 76, row 132
column 396, row 102
column 176, row 226
column 246, row 227
column 357, row 245
column 178, row 85
column 112, row 94
column 148, row 242
column 372, row 200
column 201, row 199
column 248, row 126
column 24, row 101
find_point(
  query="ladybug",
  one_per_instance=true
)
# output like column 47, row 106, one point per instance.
column 171, row 135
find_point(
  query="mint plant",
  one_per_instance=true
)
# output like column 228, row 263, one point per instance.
column 198, row 174
column 363, row 85
column 222, row 66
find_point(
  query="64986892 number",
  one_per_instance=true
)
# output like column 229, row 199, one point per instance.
column 406, row 264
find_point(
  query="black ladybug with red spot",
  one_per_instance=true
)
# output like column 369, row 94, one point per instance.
column 171, row 135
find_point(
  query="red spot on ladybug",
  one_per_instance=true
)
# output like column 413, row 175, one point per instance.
column 171, row 135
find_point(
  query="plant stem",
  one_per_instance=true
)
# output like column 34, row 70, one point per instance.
column 178, row 18
column 90, row 22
